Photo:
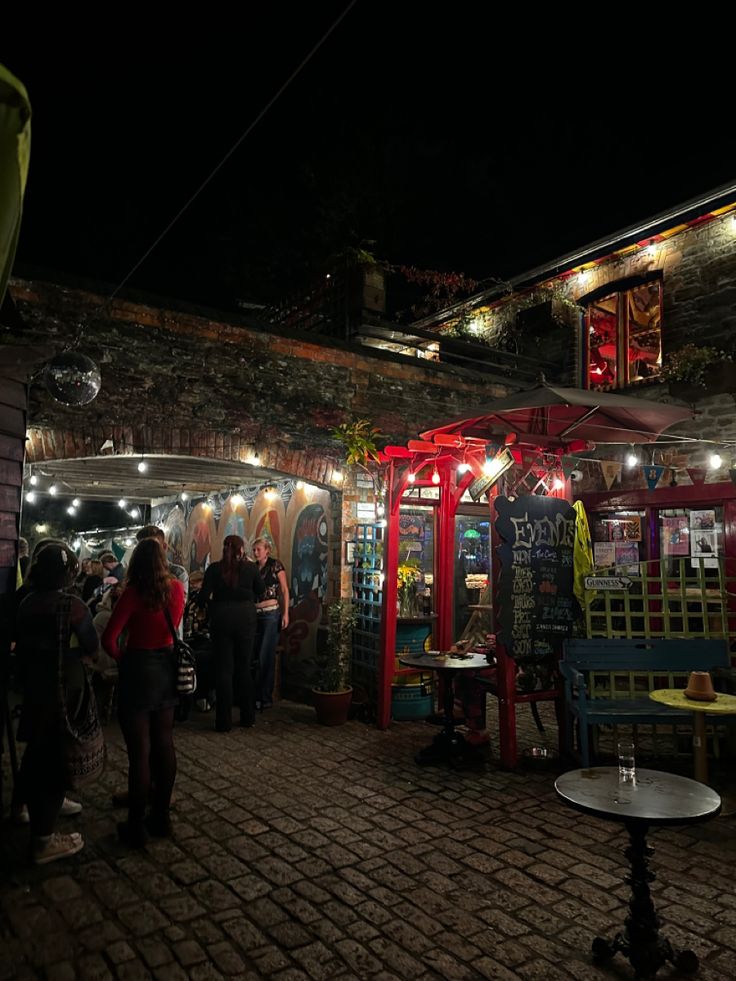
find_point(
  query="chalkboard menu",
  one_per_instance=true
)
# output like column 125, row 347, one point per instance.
column 535, row 596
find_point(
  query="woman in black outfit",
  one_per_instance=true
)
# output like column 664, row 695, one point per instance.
column 230, row 589
column 42, row 774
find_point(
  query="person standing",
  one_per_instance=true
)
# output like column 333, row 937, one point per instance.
column 147, row 688
column 112, row 566
column 38, row 638
column 272, row 616
column 230, row 590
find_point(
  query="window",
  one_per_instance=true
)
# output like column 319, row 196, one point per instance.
column 624, row 336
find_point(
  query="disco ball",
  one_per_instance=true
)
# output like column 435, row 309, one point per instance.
column 72, row 378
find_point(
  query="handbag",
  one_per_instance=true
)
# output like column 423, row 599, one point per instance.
column 82, row 738
column 186, row 663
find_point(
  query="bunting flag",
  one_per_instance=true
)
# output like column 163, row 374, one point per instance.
column 697, row 474
column 652, row 475
column 568, row 464
column 611, row 471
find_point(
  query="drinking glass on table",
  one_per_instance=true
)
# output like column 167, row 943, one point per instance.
column 626, row 761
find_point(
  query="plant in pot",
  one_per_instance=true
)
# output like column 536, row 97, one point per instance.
column 332, row 692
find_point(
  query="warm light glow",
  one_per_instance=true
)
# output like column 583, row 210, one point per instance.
column 134, row 513
column 412, row 477
column 253, row 460
column 631, row 460
column 53, row 490
column 236, row 500
column 128, row 542
column 42, row 529
column 463, row 467
column 122, row 503
column 71, row 510
column 337, row 476
column 435, row 476
column 300, row 485
column 558, row 484
column 583, row 276
column 715, row 461
column 76, row 503
column 30, row 496
column 380, row 510
column 77, row 544
column 270, row 493
column 142, row 466
column 33, row 480
column 184, row 496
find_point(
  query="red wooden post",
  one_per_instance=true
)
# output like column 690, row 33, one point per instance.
column 387, row 652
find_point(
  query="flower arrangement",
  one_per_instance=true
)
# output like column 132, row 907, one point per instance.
column 408, row 576
column 691, row 363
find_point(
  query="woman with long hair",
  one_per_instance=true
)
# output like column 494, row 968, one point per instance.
column 147, row 688
column 272, row 614
column 38, row 639
column 230, row 589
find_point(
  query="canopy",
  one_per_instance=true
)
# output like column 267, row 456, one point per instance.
column 555, row 416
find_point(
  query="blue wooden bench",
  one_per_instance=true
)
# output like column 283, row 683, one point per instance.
column 607, row 682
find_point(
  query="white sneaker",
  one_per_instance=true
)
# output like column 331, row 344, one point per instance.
column 68, row 809
column 56, row 846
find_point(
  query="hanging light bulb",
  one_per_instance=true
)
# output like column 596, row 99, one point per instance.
column 71, row 510
column 435, row 475
column 337, row 476
column 184, row 496
column 30, row 496
column 236, row 500
column 122, row 503
column 53, row 490
column 632, row 459
column 380, row 510
column 558, row 484
column 300, row 485
column 715, row 461
column 412, row 477
column 142, row 466
column 33, row 480
column 76, row 503
column 134, row 513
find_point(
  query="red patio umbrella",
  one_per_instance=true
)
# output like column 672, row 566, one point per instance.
column 555, row 416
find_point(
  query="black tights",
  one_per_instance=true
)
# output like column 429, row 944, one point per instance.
column 149, row 737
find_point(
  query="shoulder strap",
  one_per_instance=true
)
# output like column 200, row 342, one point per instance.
column 170, row 622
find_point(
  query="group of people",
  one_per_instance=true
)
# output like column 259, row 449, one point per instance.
column 247, row 602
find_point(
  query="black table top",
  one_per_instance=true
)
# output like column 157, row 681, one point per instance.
column 448, row 662
column 656, row 797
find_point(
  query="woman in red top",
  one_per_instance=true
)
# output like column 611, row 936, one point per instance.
column 147, row 687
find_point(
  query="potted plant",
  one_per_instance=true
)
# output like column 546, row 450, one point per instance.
column 332, row 692
column 693, row 369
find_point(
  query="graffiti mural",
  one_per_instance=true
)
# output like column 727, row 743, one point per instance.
column 309, row 554
column 295, row 520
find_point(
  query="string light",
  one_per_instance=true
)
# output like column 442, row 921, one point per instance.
column 53, row 490
column 435, row 475
column 30, row 496
column 463, row 467
column 76, row 503
column 71, row 510
column 412, row 477
column 236, row 500
column 715, row 461
column 558, row 484
column 33, row 480
column 122, row 503
column 184, row 496
column 142, row 466
column 337, row 476
column 631, row 459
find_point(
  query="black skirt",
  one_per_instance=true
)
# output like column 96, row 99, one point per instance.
column 146, row 681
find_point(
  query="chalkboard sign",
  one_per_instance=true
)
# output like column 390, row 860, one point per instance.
column 536, row 599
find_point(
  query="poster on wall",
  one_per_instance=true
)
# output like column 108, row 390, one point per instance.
column 627, row 557
column 676, row 535
column 625, row 530
column 703, row 539
column 604, row 554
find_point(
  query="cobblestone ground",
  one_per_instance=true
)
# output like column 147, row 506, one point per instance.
column 307, row 852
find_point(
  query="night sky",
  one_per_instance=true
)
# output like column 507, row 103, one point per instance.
column 453, row 137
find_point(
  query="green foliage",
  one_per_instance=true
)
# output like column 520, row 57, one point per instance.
column 359, row 440
column 333, row 665
column 690, row 364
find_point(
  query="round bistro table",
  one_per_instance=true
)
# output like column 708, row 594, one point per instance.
column 654, row 798
column 677, row 699
column 448, row 746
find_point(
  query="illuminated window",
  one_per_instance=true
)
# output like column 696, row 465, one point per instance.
column 623, row 335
